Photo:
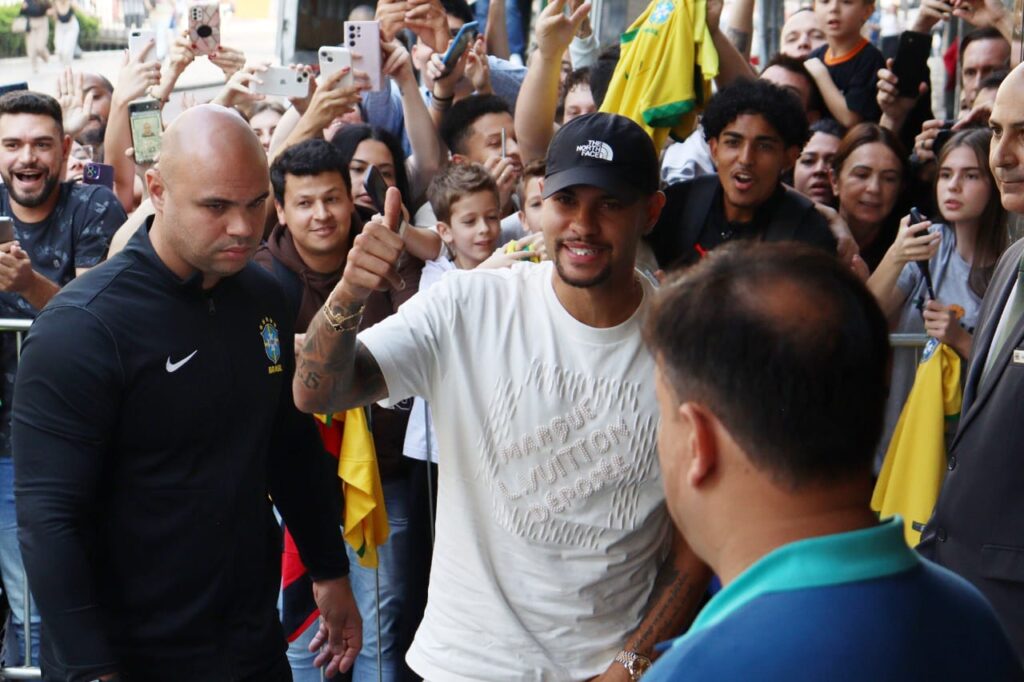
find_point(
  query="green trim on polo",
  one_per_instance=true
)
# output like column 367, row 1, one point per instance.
column 836, row 559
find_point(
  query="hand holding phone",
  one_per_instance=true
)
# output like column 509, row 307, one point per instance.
column 911, row 63
column 333, row 60
column 363, row 39
column 204, row 27
column 463, row 39
column 922, row 265
column 281, row 81
column 376, row 187
column 147, row 129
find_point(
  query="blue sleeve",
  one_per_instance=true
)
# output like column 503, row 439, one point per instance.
column 94, row 224
column 506, row 79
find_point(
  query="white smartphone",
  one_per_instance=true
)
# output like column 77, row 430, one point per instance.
column 333, row 60
column 138, row 38
column 282, row 82
column 363, row 39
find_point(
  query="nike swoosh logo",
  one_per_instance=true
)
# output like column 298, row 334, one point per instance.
column 175, row 366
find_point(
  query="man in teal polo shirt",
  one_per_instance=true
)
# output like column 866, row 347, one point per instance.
column 766, row 445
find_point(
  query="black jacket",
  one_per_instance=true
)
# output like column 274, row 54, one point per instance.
column 977, row 529
column 691, row 206
column 152, row 421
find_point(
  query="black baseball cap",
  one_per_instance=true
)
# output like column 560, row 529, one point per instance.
column 603, row 150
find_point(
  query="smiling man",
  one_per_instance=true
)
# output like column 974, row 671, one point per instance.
column 62, row 229
column 755, row 130
column 553, row 556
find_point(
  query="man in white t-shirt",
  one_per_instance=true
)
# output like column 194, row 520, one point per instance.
column 554, row 556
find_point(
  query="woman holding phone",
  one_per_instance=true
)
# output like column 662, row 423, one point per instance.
column 961, row 251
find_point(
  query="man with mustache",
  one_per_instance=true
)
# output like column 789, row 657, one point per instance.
column 755, row 130
column 60, row 230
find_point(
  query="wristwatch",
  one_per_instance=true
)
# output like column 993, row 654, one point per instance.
column 634, row 663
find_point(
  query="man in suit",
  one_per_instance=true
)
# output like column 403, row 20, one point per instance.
column 977, row 529
column 755, row 130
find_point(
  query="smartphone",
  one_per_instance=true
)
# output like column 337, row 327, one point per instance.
column 204, row 27
column 376, row 187
column 922, row 265
column 6, row 229
column 282, row 82
column 147, row 128
column 333, row 60
column 138, row 38
column 942, row 137
column 463, row 39
column 13, row 87
column 98, row 174
column 363, row 39
column 504, row 146
column 911, row 62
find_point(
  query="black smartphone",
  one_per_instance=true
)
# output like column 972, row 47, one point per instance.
column 911, row 62
column 942, row 137
column 376, row 187
column 922, row 265
column 6, row 229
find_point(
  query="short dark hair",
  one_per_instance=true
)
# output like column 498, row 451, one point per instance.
column 778, row 106
column 601, row 73
column 794, row 65
column 986, row 33
column 29, row 102
column 309, row 157
column 798, row 368
column 457, row 124
column 456, row 181
column 576, row 78
column 829, row 126
column 459, row 9
column 867, row 133
column 349, row 137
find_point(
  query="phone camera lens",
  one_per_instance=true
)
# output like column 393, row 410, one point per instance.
column 352, row 43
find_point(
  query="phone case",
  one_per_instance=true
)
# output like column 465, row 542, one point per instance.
column 137, row 39
column 98, row 174
column 465, row 37
column 363, row 39
column 282, row 82
column 6, row 229
column 204, row 27
column 332, row 60
column 911, row 62
column 147, row 129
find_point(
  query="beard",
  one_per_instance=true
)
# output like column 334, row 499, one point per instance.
column 600, row 278
column 32, row 200
column 93, row 136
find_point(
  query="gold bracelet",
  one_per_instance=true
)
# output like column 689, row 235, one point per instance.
column 338, row 322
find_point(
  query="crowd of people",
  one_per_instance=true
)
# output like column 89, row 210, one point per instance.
column 614, row 403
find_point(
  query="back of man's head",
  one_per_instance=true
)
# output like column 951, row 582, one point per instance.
column 789, row 351
column 457, row 124
column 29, row 102
column 309, row 157
column 779, row 107
column 601, row 73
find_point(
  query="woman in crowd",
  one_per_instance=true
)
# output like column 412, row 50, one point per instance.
column 37, row 32
column 263, row 120
column 868, row 172
column 65, row 32
column 812, row 175
column 961, row 251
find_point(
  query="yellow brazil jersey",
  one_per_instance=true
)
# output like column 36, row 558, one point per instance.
column 915, row 462
column 667, row 62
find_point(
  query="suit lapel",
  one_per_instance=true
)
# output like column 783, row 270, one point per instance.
column 999, row 291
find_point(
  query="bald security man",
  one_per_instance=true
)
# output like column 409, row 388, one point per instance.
column 153, row 426
column 977, row 529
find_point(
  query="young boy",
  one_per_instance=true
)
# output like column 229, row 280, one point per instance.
column 465, row 200
column 531, row 199
column 846, row 68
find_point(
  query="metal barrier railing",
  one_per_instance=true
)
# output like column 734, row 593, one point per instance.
column 915, row 341
column 26, row 671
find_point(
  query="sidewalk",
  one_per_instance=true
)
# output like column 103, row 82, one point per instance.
column 254, row 37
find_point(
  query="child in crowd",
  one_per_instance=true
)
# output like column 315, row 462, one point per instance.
column 531, row 199
column 846, row 69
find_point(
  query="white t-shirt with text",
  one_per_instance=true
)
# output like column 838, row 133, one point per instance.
column 551, row 522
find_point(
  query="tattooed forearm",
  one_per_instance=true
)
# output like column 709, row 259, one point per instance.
column 741, row 39
column 674, row 601
column 334, row 372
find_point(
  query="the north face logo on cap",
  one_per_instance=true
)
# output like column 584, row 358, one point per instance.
column 596, row 149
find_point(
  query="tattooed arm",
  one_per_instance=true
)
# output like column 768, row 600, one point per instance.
column 333, row 371
column 673, row 604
